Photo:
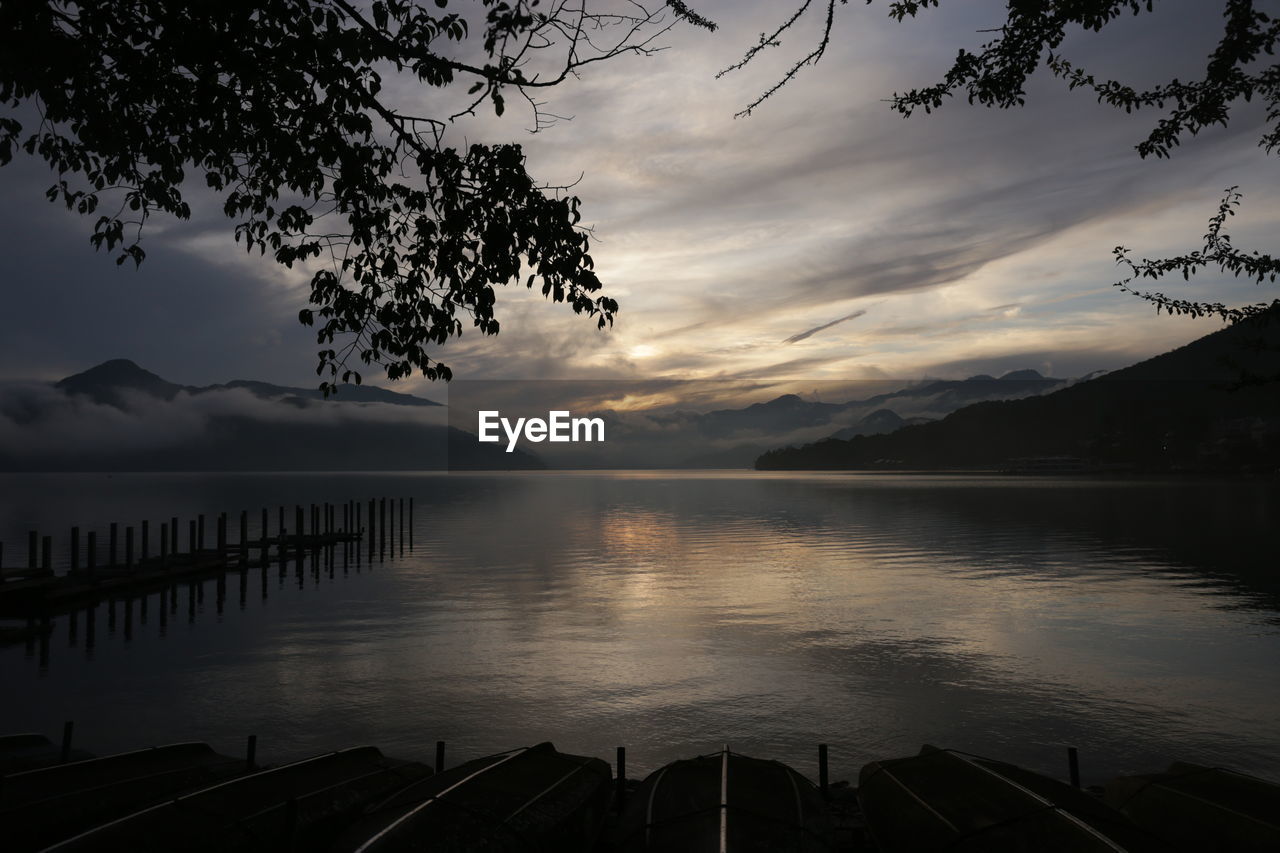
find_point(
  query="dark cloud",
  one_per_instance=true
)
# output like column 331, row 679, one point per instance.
column 811, row 332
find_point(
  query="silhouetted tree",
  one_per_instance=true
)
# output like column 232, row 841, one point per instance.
column 280, row 107
column 1029, row 39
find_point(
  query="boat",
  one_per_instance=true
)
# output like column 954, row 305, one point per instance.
column 1202, row 808
column 42, row 806
column 28, row 751
column 944, row 799
column 531, row 798
column 726, row 802
column 298, row 806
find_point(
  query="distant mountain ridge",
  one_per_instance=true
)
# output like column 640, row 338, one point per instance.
column 241, row 425
column 105, row 382
column 1179, row 410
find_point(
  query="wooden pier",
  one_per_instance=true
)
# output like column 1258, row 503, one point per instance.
column 140, row 561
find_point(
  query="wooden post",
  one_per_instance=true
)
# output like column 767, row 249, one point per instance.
column 32, row 552
column 1073, row 766
column 67, row 728
column 46, row 553
column 251, row 753
column 222, row 539
column 621, row 777
column 382, row 524
column 191, row 537
column 173, row 536
column 359, row 520
column 199, row 543
column 410, row 524
column 75, row 548
column 113, row 539
column 92, row 556
column 164, row 546
column 301, row 529
column 822, row 768
column 402, row 523
column 264, row 531
column 146, row 541
column 128, row 547
column 439, row 756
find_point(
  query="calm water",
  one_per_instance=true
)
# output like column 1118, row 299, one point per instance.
column 672, row 612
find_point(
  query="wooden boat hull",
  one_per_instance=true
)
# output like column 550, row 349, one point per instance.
column 726, row 802
column 533, row 798
column 40, row 807
column 947, row 800
column 296, row 806
column 1202, row 808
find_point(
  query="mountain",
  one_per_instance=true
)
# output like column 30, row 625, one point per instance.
column 735, row 438
column 120, row 417
column 1184, row 410
column 109, row 382
column 879, row 421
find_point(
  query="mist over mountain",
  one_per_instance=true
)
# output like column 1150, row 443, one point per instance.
column 1202, row 406
column 111, row 381
column 118, row 416
column 675, row 435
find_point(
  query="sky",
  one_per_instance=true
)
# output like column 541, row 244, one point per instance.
column 824, row 238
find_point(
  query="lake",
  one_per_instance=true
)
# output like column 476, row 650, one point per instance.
column 675, row 611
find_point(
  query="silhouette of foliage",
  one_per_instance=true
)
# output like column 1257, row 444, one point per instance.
column 996, row 76
column 280, row 108
column 1218, row 251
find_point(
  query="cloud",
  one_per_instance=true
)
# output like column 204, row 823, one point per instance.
column 39, row 421
column 811, row 332
column 721, row 237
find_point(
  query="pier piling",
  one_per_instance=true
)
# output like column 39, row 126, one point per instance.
column 67, row 728
column 1073, row 766
column 621, row 776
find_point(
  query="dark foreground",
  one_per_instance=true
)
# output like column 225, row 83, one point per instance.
column 188, row 797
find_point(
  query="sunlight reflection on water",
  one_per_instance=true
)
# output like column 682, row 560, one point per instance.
column 673, row 612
